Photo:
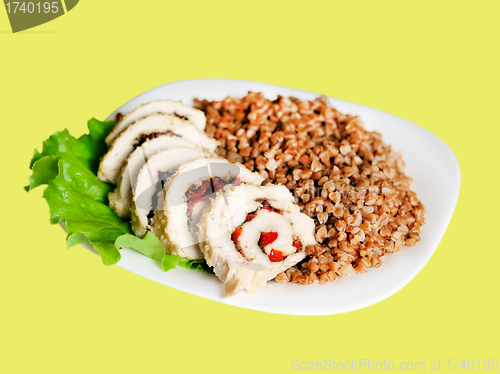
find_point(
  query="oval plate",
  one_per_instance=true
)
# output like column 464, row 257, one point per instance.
column 429, row 161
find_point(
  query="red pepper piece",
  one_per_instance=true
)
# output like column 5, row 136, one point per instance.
column 266, row 206
column 251, row 216
column 297, row 244
column 276, row 256
column 195, row 196
column 267, row 237
column 236, row 234
column 218, row 185
column 237, row 181
column 270, row 208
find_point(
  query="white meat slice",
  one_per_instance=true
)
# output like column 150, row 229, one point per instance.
column 174, row 223
column 144, row 198
column 113, row 161
column 195, row 116
column 120, row 199
column 236, row 256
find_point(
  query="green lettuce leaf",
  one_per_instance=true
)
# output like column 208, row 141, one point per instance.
column 78, row 199
column 93, row 220
column 85, row 151
column 151, row 247
column 80, row 160
column 44, row 170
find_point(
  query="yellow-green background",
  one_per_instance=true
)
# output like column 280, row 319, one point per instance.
column 434, row 63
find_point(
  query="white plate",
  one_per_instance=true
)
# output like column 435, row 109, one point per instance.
column 429, row 161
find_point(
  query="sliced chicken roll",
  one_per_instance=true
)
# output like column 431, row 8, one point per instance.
column 120, row 199
column 251, row 234
column 152, row 176
column 147, row 128
column 187, row 193
column 195, row 116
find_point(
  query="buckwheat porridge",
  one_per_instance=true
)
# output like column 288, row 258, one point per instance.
column 344, row 177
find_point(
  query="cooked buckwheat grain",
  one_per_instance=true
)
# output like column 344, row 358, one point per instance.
column 344, row 177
